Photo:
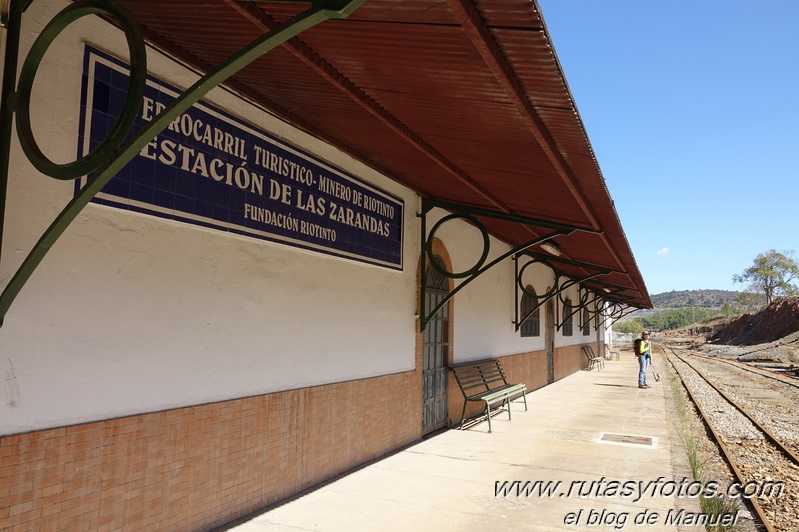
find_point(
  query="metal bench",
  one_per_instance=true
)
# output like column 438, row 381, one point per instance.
column 485, row 381
column 593, row 360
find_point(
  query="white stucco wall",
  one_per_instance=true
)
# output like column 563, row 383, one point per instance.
column 129, row 313
column 484, row 309
column 577, row 337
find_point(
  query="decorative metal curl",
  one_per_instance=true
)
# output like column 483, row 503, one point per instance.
column 561, row 303
column 543, row 298
column 616, row 311
column 106, row 149
column 109, row 157
column 470, row 213
column 583, row 301
column 555, row 283
column 474, row 269
column 595, row 300
column 584, row 297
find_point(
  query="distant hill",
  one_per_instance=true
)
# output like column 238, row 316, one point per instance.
column 712, row 299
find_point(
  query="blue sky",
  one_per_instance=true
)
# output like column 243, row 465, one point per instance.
column 692, row 109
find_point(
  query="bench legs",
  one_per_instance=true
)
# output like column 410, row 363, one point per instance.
column 505, row 401
column 597, row 363
column 487, row 412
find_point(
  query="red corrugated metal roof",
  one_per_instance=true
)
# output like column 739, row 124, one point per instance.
column 462, row 100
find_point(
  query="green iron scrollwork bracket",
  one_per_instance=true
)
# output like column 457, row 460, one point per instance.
column 611, row 313
column 558, row 286
column 598, row 303
column 574, row 308
column 597, row 298
column 582, row 309
column 110, row 156
column 520, row 286
column 617, row 311
column 470, row 215
column 612, row 296
column 586, row 302
column 612, row 292
column 622, row 301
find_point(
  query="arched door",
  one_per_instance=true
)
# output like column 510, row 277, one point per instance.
column 435, row 355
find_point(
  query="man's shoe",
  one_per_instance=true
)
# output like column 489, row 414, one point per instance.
column 643, row 386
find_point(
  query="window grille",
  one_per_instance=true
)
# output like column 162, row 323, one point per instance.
column 532, row 325
column 568, row 321
column 586, row 323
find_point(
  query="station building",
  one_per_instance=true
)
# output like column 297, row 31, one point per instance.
column 270, row 289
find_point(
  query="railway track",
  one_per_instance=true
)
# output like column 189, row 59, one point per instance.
column 785, row 378
column 755, row 422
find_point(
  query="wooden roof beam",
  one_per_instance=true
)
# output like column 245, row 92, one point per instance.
column 481, row 38
column 265, row 22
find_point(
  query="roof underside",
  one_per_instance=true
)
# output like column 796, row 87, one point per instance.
column 460, row 100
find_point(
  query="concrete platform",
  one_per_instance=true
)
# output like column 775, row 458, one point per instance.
column 448, row 481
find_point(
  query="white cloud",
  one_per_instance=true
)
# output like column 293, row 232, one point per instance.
column 663, row 251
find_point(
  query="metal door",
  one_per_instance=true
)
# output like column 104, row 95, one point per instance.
column 435, row 353
column 550, row 342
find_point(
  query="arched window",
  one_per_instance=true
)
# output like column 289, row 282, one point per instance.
column 568, row 318
column 434, row 279
column 586, row 323
column 532, row 325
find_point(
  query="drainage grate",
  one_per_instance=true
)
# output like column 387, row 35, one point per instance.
column 627, row 438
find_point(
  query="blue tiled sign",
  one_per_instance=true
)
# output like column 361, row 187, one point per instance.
column 212, row 169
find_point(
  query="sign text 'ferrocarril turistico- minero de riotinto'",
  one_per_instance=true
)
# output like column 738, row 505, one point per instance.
column 215, row 170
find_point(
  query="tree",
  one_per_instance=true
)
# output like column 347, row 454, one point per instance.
column 749, row 301
column 633, row 326
column 771, row 275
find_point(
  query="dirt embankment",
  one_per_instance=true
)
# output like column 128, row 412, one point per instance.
column 779, row 320
column 770, row 334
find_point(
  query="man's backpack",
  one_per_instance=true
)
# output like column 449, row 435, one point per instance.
column 637, row 346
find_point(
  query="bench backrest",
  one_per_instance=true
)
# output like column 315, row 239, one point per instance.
column 479, row 377
column 589, row 352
